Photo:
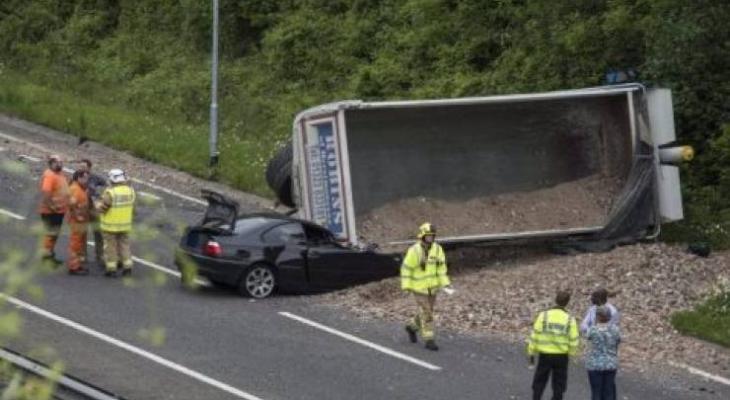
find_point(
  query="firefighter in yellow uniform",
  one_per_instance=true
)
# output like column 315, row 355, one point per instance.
column 116, row 209
column 554, row 338
column 423, row 273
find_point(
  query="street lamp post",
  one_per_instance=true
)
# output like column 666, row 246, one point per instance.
column 213, row 141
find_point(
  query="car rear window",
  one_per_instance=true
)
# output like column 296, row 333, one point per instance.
column 247, row 225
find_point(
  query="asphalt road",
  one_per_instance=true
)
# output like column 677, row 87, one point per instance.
column 220, row 346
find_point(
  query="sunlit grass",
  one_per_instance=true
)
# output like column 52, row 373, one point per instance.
column 157, row 138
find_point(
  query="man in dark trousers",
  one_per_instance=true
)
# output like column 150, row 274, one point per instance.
column 553, row 339
column 94, row 188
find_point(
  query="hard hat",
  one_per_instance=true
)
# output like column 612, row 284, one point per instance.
column 116, row 175
column 426, row 229
column 54, row 157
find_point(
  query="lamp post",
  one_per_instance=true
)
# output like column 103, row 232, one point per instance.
column 213, row 141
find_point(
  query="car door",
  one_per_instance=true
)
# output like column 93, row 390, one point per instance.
column 286, row 245
column 332, row 265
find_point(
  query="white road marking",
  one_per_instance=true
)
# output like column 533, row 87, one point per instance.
column 130, row 348
column 150, row 195
column 29, row 158
column 64, row 380
column 160, row 268
column 170, row 191
column 362, row 342
column 12, row 214
column 704, row 374
column 150, row 184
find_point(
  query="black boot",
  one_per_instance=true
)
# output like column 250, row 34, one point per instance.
column 411, row 334
column 431, row 345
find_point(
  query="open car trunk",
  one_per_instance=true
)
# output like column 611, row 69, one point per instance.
column 221, row 213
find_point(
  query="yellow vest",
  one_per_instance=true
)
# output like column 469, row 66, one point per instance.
column 423, row 273
column 118, row 218
column 554, row 332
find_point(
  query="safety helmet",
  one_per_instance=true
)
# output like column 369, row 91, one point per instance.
column 116, row 175
column 426, row 229
column 54, row 157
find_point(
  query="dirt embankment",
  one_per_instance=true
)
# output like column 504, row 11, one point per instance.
column 500, row 294
column 582, row 203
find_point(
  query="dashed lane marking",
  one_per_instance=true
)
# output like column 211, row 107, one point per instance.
column 704, row 374
column 12, row 214
column 29, row 158
column 130, row 348
column 362, row 342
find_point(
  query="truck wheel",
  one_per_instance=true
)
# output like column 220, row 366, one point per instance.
column 282, row 186
column 280, row 159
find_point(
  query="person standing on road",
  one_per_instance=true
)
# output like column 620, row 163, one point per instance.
column 599, row 298
column 602, row 361
column 53, row 207
column 94, row 188
column 423, row 273
column 116, row 209
column 554, row 338
column 78, row 221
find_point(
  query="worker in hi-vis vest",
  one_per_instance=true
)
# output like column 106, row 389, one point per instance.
column 423, row 273
column 554, row 338
column 116, row 209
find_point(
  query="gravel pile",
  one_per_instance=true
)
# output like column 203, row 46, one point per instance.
column 581, row 203
column 501, row 293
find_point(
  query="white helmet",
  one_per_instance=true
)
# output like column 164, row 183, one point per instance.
column 116, row 175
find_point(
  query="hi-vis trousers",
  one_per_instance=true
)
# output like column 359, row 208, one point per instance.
column 422, row 322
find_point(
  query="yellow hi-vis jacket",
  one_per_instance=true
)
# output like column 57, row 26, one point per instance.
column 421, row 273
column 554, row 332
column 118, row 218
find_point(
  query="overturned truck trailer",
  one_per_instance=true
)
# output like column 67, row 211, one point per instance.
column 593, row 167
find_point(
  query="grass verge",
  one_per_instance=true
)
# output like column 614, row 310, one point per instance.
column 158, row 138
column 709, row 321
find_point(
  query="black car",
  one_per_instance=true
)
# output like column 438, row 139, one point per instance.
column 260, row 253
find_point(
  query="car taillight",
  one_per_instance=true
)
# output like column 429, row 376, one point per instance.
column 212, row 249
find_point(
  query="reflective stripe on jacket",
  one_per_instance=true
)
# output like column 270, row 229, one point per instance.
column 118, row 218
column 554, row 332
column 420, row 273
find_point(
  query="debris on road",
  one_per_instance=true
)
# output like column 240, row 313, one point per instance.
column 499, row 294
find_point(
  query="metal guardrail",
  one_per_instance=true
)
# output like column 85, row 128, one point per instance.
column 67, row 383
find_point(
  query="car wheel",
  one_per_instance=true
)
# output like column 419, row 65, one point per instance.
column 259, row 281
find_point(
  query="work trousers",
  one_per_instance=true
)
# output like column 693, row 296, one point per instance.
column 422, row 322
column 98, row 241
column 116, row 249
column 77, row 244
column 555, row 365
column 52, row 228
column 603, row 384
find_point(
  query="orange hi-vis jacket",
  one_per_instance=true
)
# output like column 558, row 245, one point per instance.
column 54, row 186
column 78, row 209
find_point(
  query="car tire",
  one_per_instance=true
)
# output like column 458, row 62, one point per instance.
column 258, row 281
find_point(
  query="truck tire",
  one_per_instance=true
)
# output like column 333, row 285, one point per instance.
column 278, row 174
column 282, row 185
column 282, row 157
